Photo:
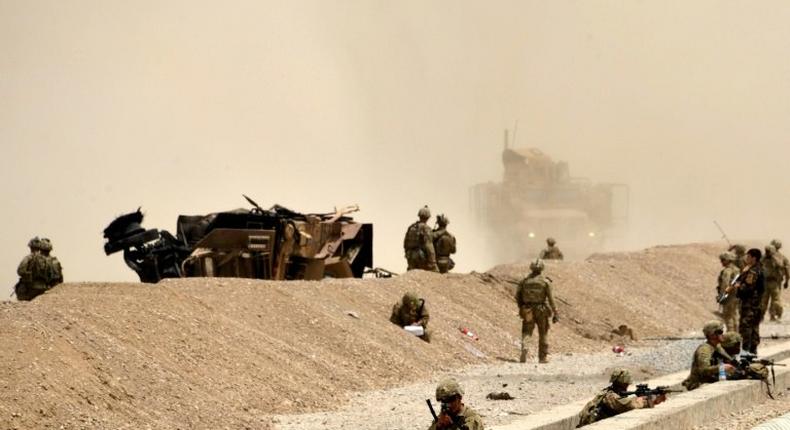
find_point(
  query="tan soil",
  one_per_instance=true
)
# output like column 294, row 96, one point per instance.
column 226, row 353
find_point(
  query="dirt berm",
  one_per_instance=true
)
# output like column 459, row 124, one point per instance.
column 224, row 353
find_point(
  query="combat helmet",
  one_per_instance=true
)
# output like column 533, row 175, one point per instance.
column 424, row 213
column 410, row 298
column 777, row 244
column 712, row 327
column 770, row 250
column 537, row 266
column 738, row 249
column 620, row 376
column 551, row 241
column 727, row 256
column 45, row 245
column 34, row 244
column 731, row 339
column 442, row 220
column 447, row 389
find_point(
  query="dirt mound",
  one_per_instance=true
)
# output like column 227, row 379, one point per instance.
column 225, row 353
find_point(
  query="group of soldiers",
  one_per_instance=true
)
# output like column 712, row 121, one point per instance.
column 39, row 270
column 429, row 249
column 749, row 287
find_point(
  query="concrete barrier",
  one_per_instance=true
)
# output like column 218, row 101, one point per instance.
column 683, row 410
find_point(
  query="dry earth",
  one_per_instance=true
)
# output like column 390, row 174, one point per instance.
column 228, row 353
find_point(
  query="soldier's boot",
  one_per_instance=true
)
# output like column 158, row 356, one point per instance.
column 523, row 358
column 543, row 354
column 543, row 359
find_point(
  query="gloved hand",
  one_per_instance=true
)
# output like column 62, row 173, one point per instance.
column 555, row 319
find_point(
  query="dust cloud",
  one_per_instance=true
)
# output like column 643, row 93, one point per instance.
column 180, row 107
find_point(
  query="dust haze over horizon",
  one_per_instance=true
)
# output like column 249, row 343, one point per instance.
column 180, row 107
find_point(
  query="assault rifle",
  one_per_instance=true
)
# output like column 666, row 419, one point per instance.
column 460, row 422
column 644, row 390
column 747, row 359
column 724, row 295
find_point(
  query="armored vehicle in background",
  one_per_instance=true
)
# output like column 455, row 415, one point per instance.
column 277, row 243
column 538, row 198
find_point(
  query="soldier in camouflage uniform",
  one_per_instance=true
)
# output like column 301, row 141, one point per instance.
column 552, row 251
column 785, row 262
column 731, row 304
column 411, row 310
column 610, row 401
column 749, row 288
column 55, row 275
column 454, row 414
column 740, row 254
column 34, row 273
column 536, row 305
column 773, row 272
column 418, row 243
column 731, row 344
column 444, row 244
column 705, row 365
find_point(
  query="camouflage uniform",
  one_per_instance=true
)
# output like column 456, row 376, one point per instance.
column 609, row 401
column 532, row 295
column 731, row 344
column 466, row 418
column 55, row 275
column 444, row 244
column 750, row 294
column 731, row 304
column 34, row 273
column 705, row 365
column 773, row 272
column 409, row 311
column 552, row 251
column 418, row 244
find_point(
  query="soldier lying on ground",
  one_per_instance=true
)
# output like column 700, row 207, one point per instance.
column 411, row 310
column 613, row 400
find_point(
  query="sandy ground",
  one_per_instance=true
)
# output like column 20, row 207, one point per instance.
column 232, row 353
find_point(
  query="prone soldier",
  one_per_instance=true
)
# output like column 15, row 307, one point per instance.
column 536, row 305
column 614, row 400
column 443, row 244
column 409, row 311
column 418, row 243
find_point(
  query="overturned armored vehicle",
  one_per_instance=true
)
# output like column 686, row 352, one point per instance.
column 264, row 244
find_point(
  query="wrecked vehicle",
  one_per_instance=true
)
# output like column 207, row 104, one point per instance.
column 275, row 243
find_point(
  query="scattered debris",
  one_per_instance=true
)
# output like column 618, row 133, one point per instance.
column 503, row 395
column 624, row 330
column 352, row 314
column 469, row 333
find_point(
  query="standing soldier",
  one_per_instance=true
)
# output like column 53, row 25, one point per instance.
column 33, row 273
column 55, row 269
column 730, row 305
column 740, row 254
column 773, row 272
column 444, row 244
column 750, row 287
column 532, row 296
column 785, row 262
column 552, row 252
column 418, row 243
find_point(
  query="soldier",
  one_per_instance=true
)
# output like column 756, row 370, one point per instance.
column 552, row 252
column 785, row 262
column 731, row 344
column 532, row 295
column 773, row 272
column 444, row 244
column 411, row 310
column 740, row 254
column 749, row 288
column 454, row 414
column 418, row 243
column 34, row 273
column 55, row 269
column 705, row 365
column 730, row 306
column 611, row 402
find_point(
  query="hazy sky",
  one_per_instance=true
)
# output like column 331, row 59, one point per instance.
column 182, row 106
